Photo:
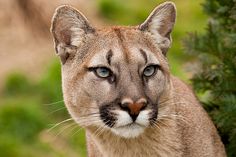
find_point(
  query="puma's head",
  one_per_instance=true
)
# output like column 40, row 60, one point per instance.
column 114, row 77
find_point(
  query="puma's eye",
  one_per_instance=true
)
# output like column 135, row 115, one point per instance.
column 149, row 70
column 103, row 72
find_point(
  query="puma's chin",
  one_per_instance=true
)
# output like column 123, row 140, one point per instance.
column 129, row 131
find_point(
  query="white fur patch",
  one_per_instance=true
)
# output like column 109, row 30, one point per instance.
column 77, row 36
column 98, row 59
column 123, row 118
column 143, row 118
column 127, row 100
column 129, row 131
column 125, row 127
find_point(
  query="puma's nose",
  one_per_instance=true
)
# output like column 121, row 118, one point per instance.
column 133, row 108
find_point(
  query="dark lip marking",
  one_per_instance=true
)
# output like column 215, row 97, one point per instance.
column 109, row 56
column 153, row 115
column 109, row 118
column 144, row 54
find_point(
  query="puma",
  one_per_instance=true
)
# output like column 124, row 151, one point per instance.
column 117, row 85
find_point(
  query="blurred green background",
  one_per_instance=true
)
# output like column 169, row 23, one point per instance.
column 32, row 104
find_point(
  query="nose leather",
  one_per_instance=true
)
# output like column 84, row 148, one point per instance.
column 135, row 108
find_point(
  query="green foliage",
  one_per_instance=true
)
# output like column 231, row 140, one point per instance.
column 121, row 11
column 50, row 84
column 26, row 112
column 21, row 121
column 78, row 142
column 9, row 146
column 16, row 83
column 215, row 51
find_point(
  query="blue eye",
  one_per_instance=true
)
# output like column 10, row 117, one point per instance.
column 149, row 70
column 103, row 72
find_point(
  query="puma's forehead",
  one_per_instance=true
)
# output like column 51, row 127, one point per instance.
column 116, row 55
column 127, row 44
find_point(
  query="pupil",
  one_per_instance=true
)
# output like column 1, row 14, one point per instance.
column 149, row 70
column 103, row 72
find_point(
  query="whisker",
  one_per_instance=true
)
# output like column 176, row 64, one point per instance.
column 56, row 110
column 53, row 103
column 65, row 128
column 160, row 121
column 155, row 124
column 101, row 131
column 174, row 117
column 87, row 122
column 55, row 125
column 77, row 131
column 90, row 114
column 174, row 103
column 90, row 107
column 97, row 132
column 72, row 129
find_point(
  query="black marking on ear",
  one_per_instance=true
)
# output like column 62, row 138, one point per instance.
column 109, row 56
column 144, row 54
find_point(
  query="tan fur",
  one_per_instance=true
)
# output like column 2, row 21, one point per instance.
column 182, row 127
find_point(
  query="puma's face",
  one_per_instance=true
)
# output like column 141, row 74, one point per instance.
column 119, row 83
column 113, row 78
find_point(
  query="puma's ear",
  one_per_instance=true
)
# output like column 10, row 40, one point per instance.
column 160, row 24
column 69, row 28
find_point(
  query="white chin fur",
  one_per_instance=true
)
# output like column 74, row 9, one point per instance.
column 125, row 127
column 129, row 131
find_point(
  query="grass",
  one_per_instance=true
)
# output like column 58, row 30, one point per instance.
column 27, row 108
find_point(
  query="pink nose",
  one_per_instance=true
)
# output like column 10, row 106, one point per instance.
column 133, row 108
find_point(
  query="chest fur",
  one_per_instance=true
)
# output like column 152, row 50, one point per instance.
column 153, row 143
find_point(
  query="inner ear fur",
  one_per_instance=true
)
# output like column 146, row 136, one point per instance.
column 160, row 24
column 69, row 29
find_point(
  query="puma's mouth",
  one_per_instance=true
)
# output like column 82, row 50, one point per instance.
column 129, row 131
column 123, row 123
column 131, row 125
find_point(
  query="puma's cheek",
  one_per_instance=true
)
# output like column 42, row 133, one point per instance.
column 156, row 87
column 96, row 87
column 106, row 87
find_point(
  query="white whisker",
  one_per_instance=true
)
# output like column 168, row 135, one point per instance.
column 65, row 128
column 57, row 102
column 55, row 125
column 56, row 110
